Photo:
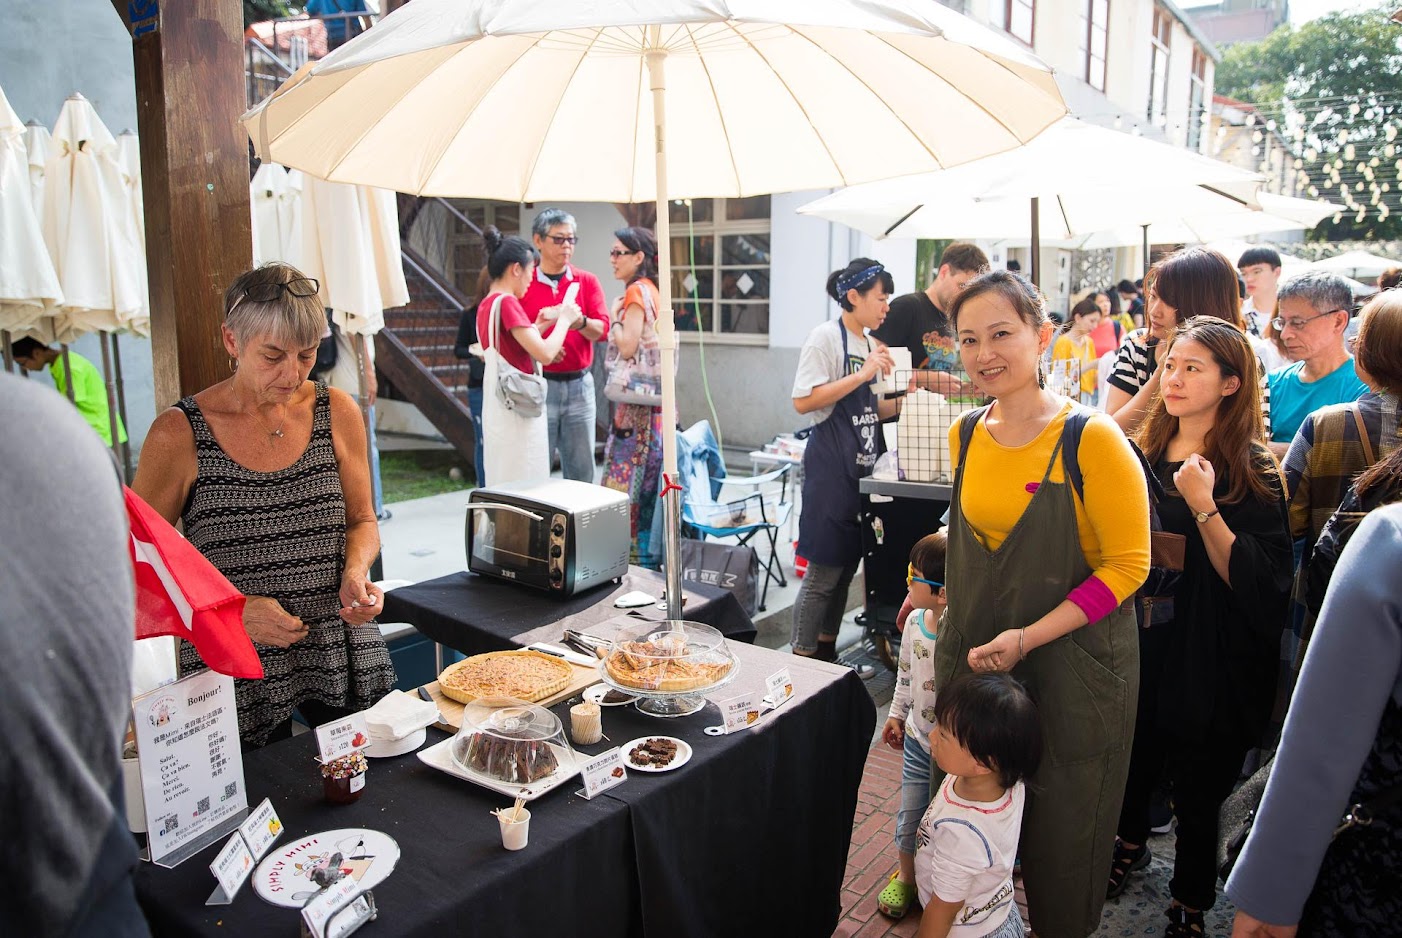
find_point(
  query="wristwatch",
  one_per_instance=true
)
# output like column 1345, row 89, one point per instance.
column 1202, row 516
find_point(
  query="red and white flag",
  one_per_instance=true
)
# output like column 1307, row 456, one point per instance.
column 179, row 592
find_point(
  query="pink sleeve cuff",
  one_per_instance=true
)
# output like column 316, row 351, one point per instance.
column 1094, row 598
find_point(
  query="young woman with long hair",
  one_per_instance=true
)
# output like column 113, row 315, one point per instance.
column 1208, row 673
column 1075, row 344
column 1048, row 537
column 1195, row 281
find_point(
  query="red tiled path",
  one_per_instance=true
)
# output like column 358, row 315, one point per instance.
column 872, row 857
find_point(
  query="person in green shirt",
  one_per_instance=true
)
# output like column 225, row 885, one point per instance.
column 89, row 390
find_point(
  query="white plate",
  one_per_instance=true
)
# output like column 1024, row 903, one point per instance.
column 439, row 756
column 284, row 876
column 682, row 757
column 385, row 748
column 595, row 694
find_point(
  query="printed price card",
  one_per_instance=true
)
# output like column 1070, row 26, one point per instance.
column 187, row 734
column 320, row 907
column 779, row 686
column 342, row 737
column 603, row 772
column 740, row 712
column 261, row 828
column 231, row 868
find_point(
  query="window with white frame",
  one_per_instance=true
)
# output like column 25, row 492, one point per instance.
column 1157, row 111
column 1197, row 98
column 1095, row 41
column 720, row 265
column 1014, row 16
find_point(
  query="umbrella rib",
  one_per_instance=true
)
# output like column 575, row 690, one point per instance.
column 1061, row 207
column 638, row 120
column 556, row 110
column 902, row 220
column 1223, row 194
column 720, row 112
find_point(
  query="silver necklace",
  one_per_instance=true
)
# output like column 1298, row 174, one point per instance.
column 278, row 434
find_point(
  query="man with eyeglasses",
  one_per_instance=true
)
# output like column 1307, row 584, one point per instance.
column 569, row 398
column 1314, row 310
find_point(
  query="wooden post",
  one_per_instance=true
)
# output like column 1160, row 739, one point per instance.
column 194, row 159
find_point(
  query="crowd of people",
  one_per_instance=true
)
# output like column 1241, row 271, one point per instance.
column 1154, row 579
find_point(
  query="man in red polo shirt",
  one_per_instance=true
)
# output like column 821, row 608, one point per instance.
column 569, row 398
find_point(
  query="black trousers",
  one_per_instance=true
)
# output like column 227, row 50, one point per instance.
column 1202, row 773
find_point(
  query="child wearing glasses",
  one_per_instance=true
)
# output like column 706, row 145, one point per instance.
column 912, row 714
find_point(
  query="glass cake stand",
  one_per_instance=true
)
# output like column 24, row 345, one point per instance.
column 647, row 653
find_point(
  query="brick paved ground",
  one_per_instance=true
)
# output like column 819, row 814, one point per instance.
column 872, row 857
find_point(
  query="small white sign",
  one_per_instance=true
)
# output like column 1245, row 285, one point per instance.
column 740, row 712
column 261, row 828
column 320, row 907
column 603, row 772
column 342, row 737
column 191, row 765
column 231, row 868
column 779, row 686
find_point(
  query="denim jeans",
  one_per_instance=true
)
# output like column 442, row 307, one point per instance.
column 821, row 601
column 474, row 404
column 569, row 414
column 915, row 793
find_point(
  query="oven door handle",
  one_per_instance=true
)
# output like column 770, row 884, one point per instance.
column 502, row 506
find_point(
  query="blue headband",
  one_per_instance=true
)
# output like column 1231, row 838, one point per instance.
column 858, row 280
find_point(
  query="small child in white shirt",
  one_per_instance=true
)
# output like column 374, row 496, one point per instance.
column 912, row 714
column 987, row 740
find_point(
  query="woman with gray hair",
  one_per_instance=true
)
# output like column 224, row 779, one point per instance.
column 268, row 472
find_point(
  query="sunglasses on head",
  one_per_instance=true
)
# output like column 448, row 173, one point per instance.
column 269, row 292
column 911, row 578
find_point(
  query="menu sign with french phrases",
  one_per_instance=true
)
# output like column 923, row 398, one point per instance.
column 187, row 736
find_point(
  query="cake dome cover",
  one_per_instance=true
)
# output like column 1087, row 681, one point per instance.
column 510, row 740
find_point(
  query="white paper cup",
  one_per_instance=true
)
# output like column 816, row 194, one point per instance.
column 514, row 834
column 586, row 723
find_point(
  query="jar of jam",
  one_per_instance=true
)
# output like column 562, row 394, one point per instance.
column 343, row 779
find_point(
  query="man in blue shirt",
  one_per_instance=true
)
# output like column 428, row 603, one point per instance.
column 1314, row 311
column 340, row 29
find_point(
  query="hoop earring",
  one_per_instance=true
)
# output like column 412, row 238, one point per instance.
column 233, row 365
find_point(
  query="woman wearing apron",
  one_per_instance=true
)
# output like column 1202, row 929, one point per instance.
column 515, row 447
column 1039, row 569
column 835, row 370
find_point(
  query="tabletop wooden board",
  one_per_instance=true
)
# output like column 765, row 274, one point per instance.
column 581, row 678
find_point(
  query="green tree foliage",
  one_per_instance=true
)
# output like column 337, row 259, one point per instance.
column 255, row 11
column 1333, row 89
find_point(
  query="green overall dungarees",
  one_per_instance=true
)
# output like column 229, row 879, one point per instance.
column 1085, row 684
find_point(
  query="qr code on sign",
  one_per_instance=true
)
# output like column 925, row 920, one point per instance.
column 170, row 824
column 202, row 806
column 230, row 790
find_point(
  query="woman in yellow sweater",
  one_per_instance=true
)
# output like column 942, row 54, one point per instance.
column 1048, row 538
column 1077, row 345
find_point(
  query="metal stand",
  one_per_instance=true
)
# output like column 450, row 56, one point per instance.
column 363, row 399
column 111, row 404
column 68, row 373
column 1037, row 243
column 9, row 359
column 121, row 404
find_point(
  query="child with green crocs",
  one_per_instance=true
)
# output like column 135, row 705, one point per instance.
column 912, row 712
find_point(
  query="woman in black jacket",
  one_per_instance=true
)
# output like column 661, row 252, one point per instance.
column 1208, row 669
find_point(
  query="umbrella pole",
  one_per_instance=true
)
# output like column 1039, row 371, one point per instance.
column 121, row 403
column 363, row 399
column 9, row 359
column 666, row 332
column 111, row 404
column 1145, row 229
column 68, row 374
column 1036, row 242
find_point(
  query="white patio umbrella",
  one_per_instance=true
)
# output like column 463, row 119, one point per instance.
column 557, row 99
column 1356, row 264
column 93, row 237
column 276, row 199
column 36, row 143
column 29, row 288
column 1276, row 213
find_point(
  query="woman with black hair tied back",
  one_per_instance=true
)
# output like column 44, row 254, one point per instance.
column 835, row 370
column 633, row 453
column 515, row 441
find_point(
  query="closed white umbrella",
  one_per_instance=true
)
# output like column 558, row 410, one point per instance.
column 276, row 199
column 36, row 144
column 557, row 99
column 1356, row 264
column 29, row 287
column 350, row 243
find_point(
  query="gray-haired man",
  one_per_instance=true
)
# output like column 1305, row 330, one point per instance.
column 569, row 398
column 1314, row 312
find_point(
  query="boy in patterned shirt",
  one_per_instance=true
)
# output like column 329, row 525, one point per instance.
column 912, row 714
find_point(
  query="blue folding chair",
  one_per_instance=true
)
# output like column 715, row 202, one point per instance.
column 756, row 512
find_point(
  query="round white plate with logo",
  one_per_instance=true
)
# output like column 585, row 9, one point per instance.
column 285, row 876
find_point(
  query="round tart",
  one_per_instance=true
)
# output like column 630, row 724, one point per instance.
column 524, row 675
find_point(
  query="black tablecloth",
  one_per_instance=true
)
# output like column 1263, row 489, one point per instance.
column 475, row 614
column 750, row 837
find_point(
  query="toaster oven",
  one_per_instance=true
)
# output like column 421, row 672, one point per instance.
column 557, row 535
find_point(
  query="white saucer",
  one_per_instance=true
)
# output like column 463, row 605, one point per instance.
column 595, row 694
column 682, row 757
column 384, row 748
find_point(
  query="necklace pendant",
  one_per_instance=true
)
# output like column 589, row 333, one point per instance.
column 277, row 433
